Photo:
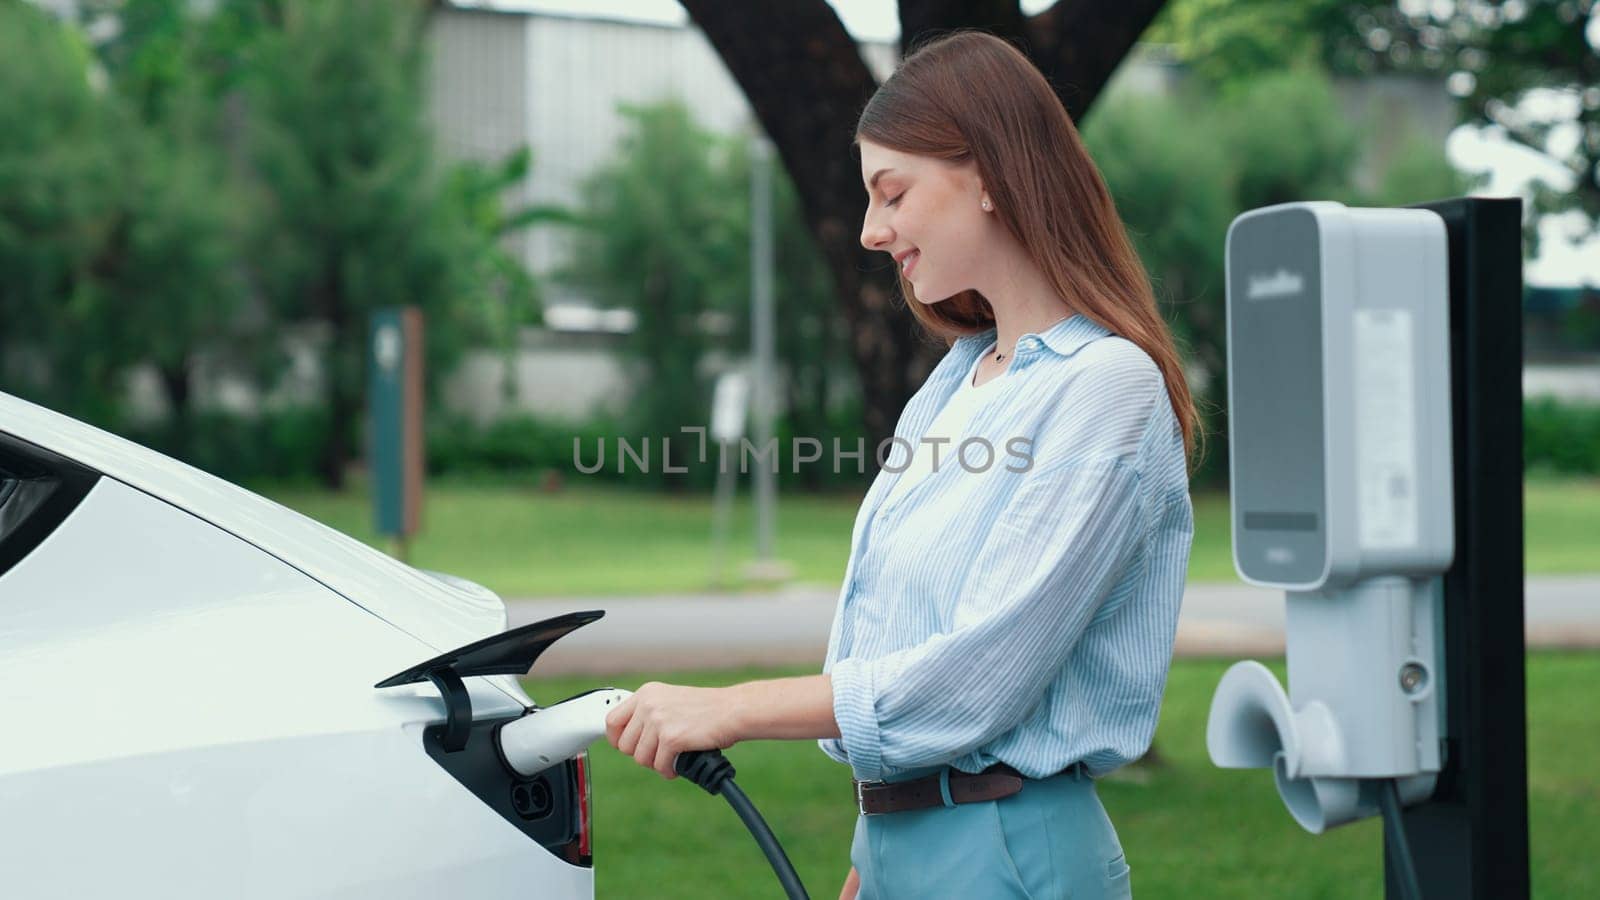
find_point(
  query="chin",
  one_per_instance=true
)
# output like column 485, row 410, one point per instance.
column 931, row 297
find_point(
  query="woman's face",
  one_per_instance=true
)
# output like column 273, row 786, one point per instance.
column 928, row 215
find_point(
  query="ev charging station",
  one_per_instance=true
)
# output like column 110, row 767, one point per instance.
column 1374, row 380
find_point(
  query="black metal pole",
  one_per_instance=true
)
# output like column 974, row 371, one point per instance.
column 1470, row 840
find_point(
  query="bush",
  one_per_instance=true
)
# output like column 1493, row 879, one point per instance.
column 279, row 446
column 1560, row 437
column 515, row 445
column 525, row 445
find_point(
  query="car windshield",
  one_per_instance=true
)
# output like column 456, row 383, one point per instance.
column 38, row 489
column 19, row 498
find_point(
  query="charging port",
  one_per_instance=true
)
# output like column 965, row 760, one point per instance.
column 531, row 799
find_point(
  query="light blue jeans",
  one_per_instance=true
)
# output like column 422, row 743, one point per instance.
column 1051, row 840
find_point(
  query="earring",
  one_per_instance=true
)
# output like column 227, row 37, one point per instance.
column 985, row 205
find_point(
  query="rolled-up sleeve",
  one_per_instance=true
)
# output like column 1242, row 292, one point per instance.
column 1053, row 553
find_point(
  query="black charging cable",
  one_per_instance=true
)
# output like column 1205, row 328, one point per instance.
column 1394, row 835
column 712, row 771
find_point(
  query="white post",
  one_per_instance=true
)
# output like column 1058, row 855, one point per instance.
column 761, row 343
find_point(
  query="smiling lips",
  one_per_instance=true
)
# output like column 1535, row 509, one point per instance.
column 908, row 261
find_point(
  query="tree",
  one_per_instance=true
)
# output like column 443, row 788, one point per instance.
column 1528, row 70
column 1504, row 55
column 1176, row 198
column 354, row 215
column 504, row 296
column 664, row 234
column 1227, row 43
column 806, row 81
column 57, row 175
column 1274, row 139
column 168, row 276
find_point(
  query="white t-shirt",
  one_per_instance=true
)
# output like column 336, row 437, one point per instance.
column 950, row 423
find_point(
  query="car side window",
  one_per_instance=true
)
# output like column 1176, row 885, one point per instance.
column 38, row 489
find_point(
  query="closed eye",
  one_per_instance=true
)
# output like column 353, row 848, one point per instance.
column 896, row 199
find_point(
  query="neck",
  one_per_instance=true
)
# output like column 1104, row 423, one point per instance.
column 1023, row 301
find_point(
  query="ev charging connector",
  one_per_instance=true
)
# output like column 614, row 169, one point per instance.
column 544, row 739
column 553, row 735
column 1340, row 464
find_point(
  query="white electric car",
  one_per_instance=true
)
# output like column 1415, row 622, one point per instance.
column 188, row 704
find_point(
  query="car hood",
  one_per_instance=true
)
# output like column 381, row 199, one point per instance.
column 439, row 610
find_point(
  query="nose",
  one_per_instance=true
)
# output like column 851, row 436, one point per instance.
column 875, row 234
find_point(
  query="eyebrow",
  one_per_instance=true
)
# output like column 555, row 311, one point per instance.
column 873, row 181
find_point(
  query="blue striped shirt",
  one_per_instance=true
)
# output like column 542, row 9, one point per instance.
column 1024, row 611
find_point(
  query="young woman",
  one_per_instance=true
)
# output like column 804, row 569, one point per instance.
column 1006, row 620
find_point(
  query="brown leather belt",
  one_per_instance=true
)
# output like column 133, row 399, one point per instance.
column 999, row 780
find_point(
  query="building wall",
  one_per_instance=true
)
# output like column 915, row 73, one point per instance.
column 478, row 90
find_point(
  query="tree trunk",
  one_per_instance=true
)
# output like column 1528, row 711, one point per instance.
column 342, row 395
column 804, row 78
column 175, row 384
column 336, row 446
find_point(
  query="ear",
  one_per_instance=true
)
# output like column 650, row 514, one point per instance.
column 985, row 202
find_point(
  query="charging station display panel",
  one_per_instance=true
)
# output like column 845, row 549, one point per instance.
column 1276, row 410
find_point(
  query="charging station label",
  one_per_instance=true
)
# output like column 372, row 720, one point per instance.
column 1386, row 452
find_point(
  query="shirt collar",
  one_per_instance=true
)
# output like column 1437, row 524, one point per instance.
column 1064, row 338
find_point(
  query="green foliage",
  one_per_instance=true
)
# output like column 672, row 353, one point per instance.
column 501, row 296
column 519, row 445
column 508, row 296
column 118, row 239
column 1496, row 55
column 1278, row 138
column 167, row 283
column 1288, row 140
column 280, row 446
column 1506, row 54
column 666, row 233
column 170, row 284
column 1418, row 173
column 206, row 175
column 1228, row 42
column 1177, row 198
column 57, row 176
column 664, row 227
column 353, row 214
column 1560, row 437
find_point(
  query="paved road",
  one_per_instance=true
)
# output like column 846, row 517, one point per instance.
column 790, row 627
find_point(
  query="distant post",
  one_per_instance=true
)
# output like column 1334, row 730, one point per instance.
column 761, row 338
column 394, row 433
column 765, row 567
column 728, row 403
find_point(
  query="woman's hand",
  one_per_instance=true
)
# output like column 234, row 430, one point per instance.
column 662, row 720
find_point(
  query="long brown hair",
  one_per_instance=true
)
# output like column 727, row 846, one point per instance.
column 972, row 96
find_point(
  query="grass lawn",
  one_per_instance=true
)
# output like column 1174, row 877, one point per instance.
column 587, row 540
column 1190, row 830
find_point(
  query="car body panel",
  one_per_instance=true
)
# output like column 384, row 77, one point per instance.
column 186, row 687
column 190, row 715
column 441, row 613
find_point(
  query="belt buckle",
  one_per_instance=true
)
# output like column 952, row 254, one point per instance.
column 861, row 805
